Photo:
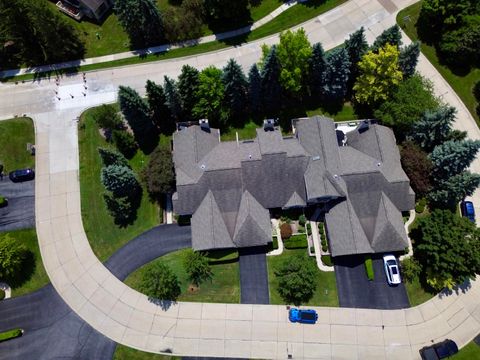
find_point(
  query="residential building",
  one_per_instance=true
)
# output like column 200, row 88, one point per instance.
column 229, row 187
column 93, row 9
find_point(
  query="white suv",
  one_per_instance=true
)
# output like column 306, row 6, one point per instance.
column 391, row 270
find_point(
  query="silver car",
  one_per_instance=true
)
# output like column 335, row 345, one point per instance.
column 391, row 270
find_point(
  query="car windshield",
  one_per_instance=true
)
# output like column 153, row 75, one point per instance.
column 394, row 270
column 391, row 263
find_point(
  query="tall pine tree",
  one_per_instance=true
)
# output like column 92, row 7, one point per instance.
column 157, row 102
column 391, row 36
column 141, row 20
column 408, row 59
column 356, row 46
column 173, row 98
column 235, row 93
column 271, row 88
column 318, row 66
column 337, row 74
column 453, row 157
column 254, row 91
column 187, row 87
column 448, row 193
column 136, row 111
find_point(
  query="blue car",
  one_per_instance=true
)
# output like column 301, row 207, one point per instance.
column 303, row 316
column 468, row 210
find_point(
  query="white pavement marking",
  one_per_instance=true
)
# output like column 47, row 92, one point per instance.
column 197, row 329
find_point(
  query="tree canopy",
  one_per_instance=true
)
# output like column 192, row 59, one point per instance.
column 158, row 174
column 418, row 167
column 160, row 282
column 187, row 86
column 336, row 74
column 408, row 59
column 356, row 46
column 318, row 65
column 294, row 52
column 391, row 36
column 447, row 247
column 379, row 75
column 210, row 97
column 12, row 256
column 452, row 157
column 271, row 88
column 197, row 267
column 254, row 90
column 157, row 102
column 235, row 93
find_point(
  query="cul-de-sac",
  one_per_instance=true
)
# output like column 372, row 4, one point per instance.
column 248, row 179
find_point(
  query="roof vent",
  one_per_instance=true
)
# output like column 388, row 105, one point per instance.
column 364, row 126
column 315, row 158
column 249, row 156
column 202, row 166
column 269, row 124
column 335, row 176
column 379, row 164
column 204, row 125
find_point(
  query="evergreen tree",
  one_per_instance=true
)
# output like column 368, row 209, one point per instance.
column 255, row 91
column 119, row 180
column 157, row 103
column 408, row 59
column 271, row 89
column 356, row 46
column 173, row 99
column 379, row 76
column 318, row 65
column 187, row 86
column 141, row 20
column 453, row 157
column 125, row 143
column 434, row 127
column 391, row 36
column 294, row 53
column 112, row 157
column 448, row 193
column 336, row 74
column 210, row 97
column 136, row 111
column 235, row 94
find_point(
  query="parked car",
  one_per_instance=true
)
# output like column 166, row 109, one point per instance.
column 440, row 350
column 22, row 175
column 391, row 270
column 304, row 316
column 468, row 210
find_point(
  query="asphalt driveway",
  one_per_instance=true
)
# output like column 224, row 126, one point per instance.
column 20, row 212
column 253, row 276
column 355, row 290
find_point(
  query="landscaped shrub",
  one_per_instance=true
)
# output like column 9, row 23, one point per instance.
column 296, row 242
column 10, row 334
column 410, row 269
column 3, row 201
column 324, row 244
column 285, row 219
column 125, row 143
column 369, row 267
column 285, row 231
column 309, row 229
column 420, row 206
column 106, row 117
column 327, row 260
column 302, row 220
column 2, row 294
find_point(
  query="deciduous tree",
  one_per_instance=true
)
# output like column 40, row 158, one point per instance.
column 210, row 97
column 106, row 117
column 379, row 75
column 448, row 248
column 296, row 282
column 158, row 174
column 12, row 256
column 197, row 267
column 160, row 282
column 294, row 52
column 417, row 166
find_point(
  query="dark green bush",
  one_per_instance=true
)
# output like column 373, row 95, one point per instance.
column 410, row 269
column 369, row 267
column 2, row 294
column 3, row 201
column 125, row 143
column 476, row 91
column 296, row 242
column 309, row 229
column 10, row 334
column 302, row 220
column 327, row 260
column 420, row 206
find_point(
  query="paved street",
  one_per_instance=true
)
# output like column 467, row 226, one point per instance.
column 20, row 212
column 204, row 329
column 253, row 276
column 356, row 291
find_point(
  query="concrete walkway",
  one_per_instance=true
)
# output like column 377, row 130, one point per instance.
column 155, row 49
column 201, row 329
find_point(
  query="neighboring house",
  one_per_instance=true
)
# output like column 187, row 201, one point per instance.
column 229, row 187
column 94, row 9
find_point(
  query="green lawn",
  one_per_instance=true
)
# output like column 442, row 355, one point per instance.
column 105, row 237
column 293, row 16
column 248, row 131
column 347, row 112
column 417, row 294
column 14, row 136
column 224, row 287
column 470, row 352
column 326, row 293
column 462, row 84
column 33, row 275
column 125, row 353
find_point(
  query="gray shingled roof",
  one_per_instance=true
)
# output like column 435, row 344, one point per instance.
column 229, row 186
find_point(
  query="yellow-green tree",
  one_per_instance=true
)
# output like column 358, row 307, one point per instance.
column 379, row 75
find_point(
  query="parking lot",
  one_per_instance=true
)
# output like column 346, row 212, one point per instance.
column 20, row 212
column 355, row 290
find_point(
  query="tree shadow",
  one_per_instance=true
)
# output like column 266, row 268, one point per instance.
column 123, row 217
column 164, row 304
column 459, row 289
